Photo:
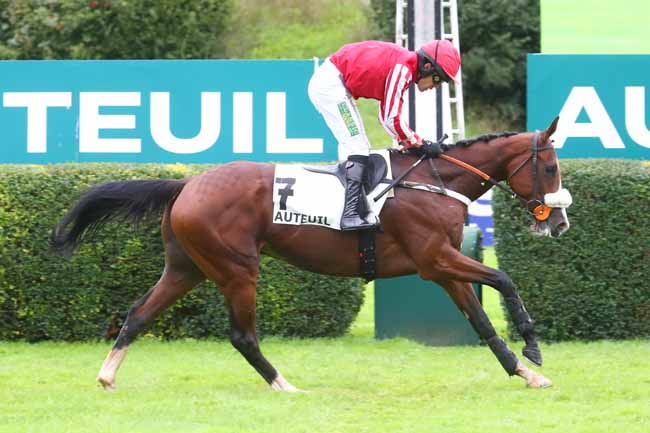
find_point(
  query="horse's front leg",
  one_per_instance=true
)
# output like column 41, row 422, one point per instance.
column 464, row 297
column 450, row 264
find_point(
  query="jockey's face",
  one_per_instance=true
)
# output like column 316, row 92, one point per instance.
column 427, row 83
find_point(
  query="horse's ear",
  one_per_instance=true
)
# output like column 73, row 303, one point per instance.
column 546, row 134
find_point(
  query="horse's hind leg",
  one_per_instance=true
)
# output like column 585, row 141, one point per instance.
column 234, row 271
column 464, row 297
column 238, row 284
column 179, row 277
column 240, row 295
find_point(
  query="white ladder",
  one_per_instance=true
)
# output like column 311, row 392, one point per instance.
column 454, row 123
column 401, row 38
column 449, row 15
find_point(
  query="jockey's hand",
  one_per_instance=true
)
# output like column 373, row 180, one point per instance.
column 408, row 145
column 431, row 148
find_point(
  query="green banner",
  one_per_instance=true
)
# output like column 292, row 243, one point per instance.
column 602, row 101
column 188, row 111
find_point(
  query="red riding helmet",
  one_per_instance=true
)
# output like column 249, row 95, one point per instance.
column 443, row 56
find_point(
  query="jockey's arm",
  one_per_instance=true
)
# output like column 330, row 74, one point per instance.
column 407, row 144
column 390, row 108
column 399, row 130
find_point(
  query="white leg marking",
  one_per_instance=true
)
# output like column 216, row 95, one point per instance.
column 281, row 384
column 106, row 376
column 533, row 380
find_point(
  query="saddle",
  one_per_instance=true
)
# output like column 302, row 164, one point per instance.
column 375, row 172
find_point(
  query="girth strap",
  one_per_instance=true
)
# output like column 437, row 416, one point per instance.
column 367, row 256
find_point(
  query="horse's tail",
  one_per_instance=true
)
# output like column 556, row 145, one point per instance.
column 131, row 199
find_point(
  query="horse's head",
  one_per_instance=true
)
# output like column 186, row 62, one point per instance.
column 534, row 175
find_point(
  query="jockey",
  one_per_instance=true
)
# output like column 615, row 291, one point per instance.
column 382, row 71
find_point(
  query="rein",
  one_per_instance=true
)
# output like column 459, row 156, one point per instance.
column 534, row 206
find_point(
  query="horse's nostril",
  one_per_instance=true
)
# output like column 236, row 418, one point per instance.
column 562, row 227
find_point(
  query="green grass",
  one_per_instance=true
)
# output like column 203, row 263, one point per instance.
column 354, row 384
column 595, row 27
column 295, row 29
column 378, row 138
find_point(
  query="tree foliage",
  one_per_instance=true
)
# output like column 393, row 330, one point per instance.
column 113, row 29
column 495, row 38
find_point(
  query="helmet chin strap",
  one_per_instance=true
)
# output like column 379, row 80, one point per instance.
column 423, row 59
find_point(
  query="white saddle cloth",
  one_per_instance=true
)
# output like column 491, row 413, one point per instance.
column 304, row 197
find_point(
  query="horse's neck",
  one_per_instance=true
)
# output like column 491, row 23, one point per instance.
column 492, row 158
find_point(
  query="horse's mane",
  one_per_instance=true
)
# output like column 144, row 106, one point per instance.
column 460, row 144
column 485, row 137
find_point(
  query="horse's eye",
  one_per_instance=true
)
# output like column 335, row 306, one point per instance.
column 551, row 169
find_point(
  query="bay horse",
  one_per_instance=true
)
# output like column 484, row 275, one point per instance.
column 216, row 225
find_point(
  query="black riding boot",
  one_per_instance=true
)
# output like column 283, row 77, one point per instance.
column 356, row 207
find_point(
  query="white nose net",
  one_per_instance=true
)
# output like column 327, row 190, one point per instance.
column 562, row 198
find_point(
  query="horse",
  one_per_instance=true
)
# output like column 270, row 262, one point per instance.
column 217, row 225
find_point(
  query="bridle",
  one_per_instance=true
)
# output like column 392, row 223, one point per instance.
column 534, row 206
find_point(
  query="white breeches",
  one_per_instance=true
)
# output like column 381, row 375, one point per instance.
column 334, row 102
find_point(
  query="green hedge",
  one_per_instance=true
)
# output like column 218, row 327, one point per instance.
column 45, row 297
column 594, row 281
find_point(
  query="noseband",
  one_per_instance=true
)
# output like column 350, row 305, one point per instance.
column 534, row 206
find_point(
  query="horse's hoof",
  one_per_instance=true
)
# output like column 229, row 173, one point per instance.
column 282, row 384
column 290, row 388
column 533, row 379
column 533, row 354
column 107, row 384
column 539, row 381
column 284, row 388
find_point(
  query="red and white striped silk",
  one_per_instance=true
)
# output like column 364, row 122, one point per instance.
column 382, row 71
column 390, row 108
